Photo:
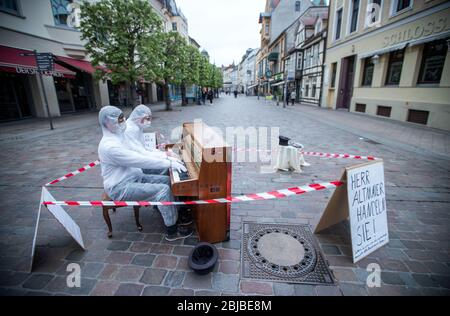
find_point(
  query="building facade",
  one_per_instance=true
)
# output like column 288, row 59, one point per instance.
column 390, row 59
column 310, row 53
column 278, row 18
column 48, row 27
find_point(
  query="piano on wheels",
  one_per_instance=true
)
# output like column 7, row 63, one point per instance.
column 207, row 158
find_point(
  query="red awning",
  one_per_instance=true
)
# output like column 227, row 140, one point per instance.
column 81, row 65
column 12, row 61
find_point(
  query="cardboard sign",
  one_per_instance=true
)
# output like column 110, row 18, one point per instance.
column 363, row 200
column 150, row 141
column 62, row 217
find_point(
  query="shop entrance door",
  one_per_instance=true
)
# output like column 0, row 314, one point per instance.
column 14, row 97
column 346, row 83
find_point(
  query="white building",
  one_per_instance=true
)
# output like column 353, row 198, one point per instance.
column 45, row 26
column 247, row 74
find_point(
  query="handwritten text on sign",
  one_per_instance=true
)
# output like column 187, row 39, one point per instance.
column 367, row 206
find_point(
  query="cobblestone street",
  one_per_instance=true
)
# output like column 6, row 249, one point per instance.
column 417, row 165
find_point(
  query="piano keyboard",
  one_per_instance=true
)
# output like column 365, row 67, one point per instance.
column 180, row 176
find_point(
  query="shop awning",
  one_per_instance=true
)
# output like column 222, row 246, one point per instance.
column 277, row 84
column 383, row 50
column 81, row 65
column 12, row 61
column 252, row 86
column 430, row 38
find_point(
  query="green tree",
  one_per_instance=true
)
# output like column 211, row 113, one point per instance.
column 170, row 68
column 190, row 69
column 118, row 34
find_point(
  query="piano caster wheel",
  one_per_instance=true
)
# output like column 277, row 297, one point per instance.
column 110, row 235
column 227, row 238
column 140, row 229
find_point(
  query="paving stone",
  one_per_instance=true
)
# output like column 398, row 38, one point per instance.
column 174, row 279
column 416, row 266
column 182, row 292
column 251, row 287
column 153, row 238
column 195, row 281
column 109, row 271
column 156, row 291
column 129, row 274
column 105, row 288
column 59, row 285
column 141, row 247
column 229, row 267
column 229, row 254
column 143, row 260
column 120, row 258
column 129, row 289
column 393, row 265
column 11, row 278
column 284, row 289
column 344, row 275
column 207, row 293
column 119, row 245
column 305, row 290
column 182, row 250
column 153, row 276
column 331, row 250
column 442, row 280
column 225, row 282
column 425, row 280
column 91, row 269
column 349, row 289
column 37, row 281
column 76, row 255
column 392, row 278
column 328, row 291
column 161, row 249
column 165, row 262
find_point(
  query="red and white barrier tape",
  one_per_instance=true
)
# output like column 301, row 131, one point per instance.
column 278, row 194
column 313, row 154
column 344, row 156
column 74, row 173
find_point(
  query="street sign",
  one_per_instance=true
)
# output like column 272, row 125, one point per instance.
column 45, row 61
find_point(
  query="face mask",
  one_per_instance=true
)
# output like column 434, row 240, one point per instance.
column 146, row 124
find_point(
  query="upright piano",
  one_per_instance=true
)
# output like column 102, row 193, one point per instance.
column 207, row 158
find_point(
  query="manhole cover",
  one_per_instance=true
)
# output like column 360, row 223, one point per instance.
column 282, row 253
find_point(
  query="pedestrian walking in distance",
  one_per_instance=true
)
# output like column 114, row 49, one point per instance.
column 204, row 96
column 235, row 93
column 210, row 96
column 293, row 96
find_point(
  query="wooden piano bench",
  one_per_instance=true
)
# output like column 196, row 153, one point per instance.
column 106, row 209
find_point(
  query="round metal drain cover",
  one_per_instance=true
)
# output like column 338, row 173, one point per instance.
column 282, row 252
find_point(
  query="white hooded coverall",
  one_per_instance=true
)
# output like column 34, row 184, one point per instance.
column 121, row 168
column 134, row 137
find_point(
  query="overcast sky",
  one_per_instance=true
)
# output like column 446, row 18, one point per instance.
column 225, row 28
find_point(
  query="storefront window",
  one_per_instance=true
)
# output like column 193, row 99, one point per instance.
column 395, row 67
column 368, row 72
column 433, row 60
column 9, row 6
column 60, row 12
column 14, row 97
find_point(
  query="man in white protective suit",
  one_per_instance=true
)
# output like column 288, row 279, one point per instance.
column 140, row 119
column 122, row 174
